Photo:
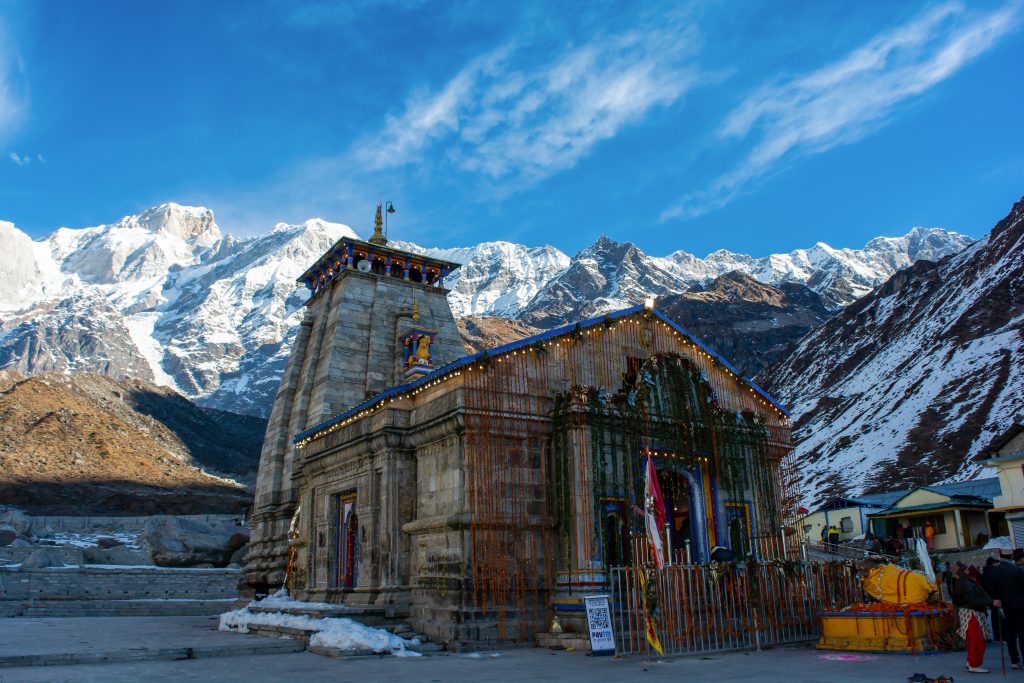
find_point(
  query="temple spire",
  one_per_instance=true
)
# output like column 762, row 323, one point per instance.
column 378, row 229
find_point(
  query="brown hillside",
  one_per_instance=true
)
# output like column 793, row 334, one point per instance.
column 88, row 444
column 486, row 332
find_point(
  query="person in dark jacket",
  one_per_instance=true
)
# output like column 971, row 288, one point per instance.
column 972, row 602
column 987, row 584
column 1006, row 582
column 833, row 537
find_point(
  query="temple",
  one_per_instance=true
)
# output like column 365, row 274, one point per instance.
column 475, row 495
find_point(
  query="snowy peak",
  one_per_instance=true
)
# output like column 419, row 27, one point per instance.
column 191, row 224
column 139, row 249
column 840, row 276
column 606, row 276
column 496, row 278
column 27, row 270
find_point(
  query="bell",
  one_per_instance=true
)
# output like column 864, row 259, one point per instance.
column 556, row 625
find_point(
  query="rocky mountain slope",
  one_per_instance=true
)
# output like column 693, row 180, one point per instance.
column 485, row 332
column 89, row 444
column 910, row 382
column 164, row 296
column 750, row 323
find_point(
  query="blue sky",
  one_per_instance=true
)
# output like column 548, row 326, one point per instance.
column 755, row 127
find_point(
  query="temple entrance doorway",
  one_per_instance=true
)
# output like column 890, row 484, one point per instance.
column 680, row 512
column 346, row 551
column 615, row 546
column 738, row 522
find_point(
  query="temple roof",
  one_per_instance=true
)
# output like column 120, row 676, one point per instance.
column 455, row 367
column 339, row 249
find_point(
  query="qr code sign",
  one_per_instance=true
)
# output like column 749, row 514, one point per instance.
column 600, row 619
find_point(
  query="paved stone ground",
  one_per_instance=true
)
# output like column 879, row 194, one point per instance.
column 34, row 642
column 140, row 635
column 791, row 665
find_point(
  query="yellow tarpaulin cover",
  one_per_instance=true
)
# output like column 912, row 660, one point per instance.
column 896, row 586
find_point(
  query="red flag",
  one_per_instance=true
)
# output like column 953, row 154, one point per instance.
column 654, row 491
column 654, row 513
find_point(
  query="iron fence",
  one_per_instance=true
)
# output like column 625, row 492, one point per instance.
column 713, row 608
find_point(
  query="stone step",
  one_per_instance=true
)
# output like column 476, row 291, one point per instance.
column 368, row 616
column 277, row 631
column 117, row 608
column 564, row 641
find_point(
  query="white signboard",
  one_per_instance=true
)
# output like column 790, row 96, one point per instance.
column 599, row 623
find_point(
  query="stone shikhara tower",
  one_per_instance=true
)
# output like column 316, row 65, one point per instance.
column 377, row 317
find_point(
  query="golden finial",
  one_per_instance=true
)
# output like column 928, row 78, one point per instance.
column 415, row 309
column 378, row 229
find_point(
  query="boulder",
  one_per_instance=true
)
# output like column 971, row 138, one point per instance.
column 106, row 542
column 119, row 555
column 15, row 519
column 178, row 542
column 238, row 557
column 21, row 542
column 42, row 558
column 7, row 536
column 239, row 539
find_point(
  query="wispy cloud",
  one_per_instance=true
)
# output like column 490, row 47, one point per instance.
column 520, row 125
column 12, row 105
column 20, row 160
column 850, row 98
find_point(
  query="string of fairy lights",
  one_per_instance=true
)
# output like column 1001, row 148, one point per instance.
column 480, row 363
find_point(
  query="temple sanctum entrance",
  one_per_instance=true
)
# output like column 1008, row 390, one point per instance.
column 683, row 516
column 346, row 551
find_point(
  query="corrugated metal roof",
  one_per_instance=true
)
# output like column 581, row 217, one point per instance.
column 896, row 512
column 881, row 500
column 980, row 488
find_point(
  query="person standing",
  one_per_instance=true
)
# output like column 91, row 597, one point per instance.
column 929, row 535
column 972, row 604
column 1006, row 582
column 833, row 538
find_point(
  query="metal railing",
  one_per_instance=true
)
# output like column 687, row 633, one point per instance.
column 715, row 608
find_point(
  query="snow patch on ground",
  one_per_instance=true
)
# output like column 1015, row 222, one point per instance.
column 333, row 632
column 91, row 539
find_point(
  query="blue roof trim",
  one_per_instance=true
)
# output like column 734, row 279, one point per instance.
column 518, row 344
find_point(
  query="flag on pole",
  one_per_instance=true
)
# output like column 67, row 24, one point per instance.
column 654, row 513
column 649, row 631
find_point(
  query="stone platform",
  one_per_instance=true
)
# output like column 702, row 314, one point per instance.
column 96, row 590
column 91, row 640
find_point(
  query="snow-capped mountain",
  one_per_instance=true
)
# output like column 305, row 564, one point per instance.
column 840, row 276
column 496, row 278
column 911, row 381
column 165, row 296
column 605, row 276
